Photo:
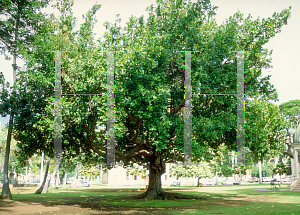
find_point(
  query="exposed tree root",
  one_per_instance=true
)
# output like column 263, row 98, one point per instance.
column 6, row 196
column 166, row 196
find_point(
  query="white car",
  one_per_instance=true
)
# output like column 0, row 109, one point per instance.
column 290, row 178
column 209, row 183
column 80, row 184
column 230, row 182
column 266, row 179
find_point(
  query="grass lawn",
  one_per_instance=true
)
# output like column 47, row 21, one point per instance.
column 237, row 199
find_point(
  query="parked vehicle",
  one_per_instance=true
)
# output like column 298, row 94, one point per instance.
column 236, row 182
column 209, row 183
column 290, row 178
column 287, row 179
column 252, row 180
column 85, row 184
column 175, row 183
column 81, row 184
column 266, row 179
column 229, row 182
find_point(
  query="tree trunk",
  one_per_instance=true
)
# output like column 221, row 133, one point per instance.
column 61, row 178
column 65, row 179
column 259, row 171
column 75, row 174
column 101, row 174
column 6, row 194
column 45, row 189
column 42, row 170
column 198, row 182
column 280, row 179
column 156, row 169
column 132, row 180
column 41, row 189
column 57, row 179
column 52, row 176
column 216, row 175
column 17, row 174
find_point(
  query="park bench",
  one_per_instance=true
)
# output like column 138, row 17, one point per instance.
column 274, row 185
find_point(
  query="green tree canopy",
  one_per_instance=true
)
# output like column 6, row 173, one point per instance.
column 149, row 84
column 264, row 129
column 291, row 111
column 202, row 170
column 280, row 169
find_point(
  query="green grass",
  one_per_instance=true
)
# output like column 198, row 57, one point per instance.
column 237, row 199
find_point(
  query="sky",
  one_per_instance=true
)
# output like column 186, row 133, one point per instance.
column 285, row 75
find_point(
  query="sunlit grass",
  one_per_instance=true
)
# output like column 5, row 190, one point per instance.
column 237, row 199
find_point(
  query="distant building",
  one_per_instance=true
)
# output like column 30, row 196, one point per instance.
column 118, row 177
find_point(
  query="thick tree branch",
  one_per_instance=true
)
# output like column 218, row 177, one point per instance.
column 132, row 117
column 137, row 131
column 92, row 146
column 127, row 125
column 178, row 107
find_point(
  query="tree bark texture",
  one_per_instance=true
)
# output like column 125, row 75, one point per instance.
column 65, row 179
column 57, row 178
column 40, row 190
column 52, row 176
column 6, row 194
column 156, row 169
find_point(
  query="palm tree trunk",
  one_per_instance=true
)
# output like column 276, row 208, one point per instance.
column 57, row 178
column 52, row 176
column 40, row 190
column 42, row 170
column 65, row 179
column 6, row 194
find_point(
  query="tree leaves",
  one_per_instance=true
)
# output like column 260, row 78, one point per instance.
column 149, row 81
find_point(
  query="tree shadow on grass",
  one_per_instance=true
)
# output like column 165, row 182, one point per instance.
column 126, row 201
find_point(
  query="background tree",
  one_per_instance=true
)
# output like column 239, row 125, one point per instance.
column 226, row 170
column 143, row 173
column 132, row 170
column 90, row 171
column 280, row 169
column 20, row 21
column 135, row 170
column 267, row 170
column 291, row 111
column 200, row 171
column 264, row 129
column 239, row 170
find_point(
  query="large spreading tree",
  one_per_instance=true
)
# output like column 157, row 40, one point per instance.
column 149, row 84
